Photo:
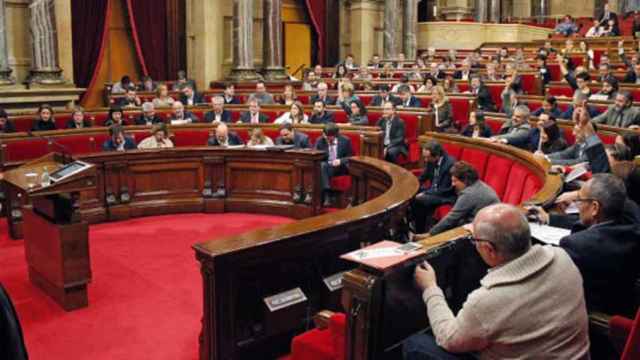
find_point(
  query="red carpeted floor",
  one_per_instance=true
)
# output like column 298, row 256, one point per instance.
column 145, row 298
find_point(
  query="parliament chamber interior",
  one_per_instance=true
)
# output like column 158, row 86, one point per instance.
column 319, row 179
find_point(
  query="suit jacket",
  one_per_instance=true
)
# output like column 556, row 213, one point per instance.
column 300, row 141
column 458, row 74
column 344, row 150
column 613, row 117
column 470, row 200
column 413, row 102
column 72, row 124
column 568, row 115
column 225, row 117
column 40, row 125
column 198, row 98
column 444, row 114
column 110, row 145
column 233, row 100
column 440, row 184
column 485, row 132
column 572, row 155
column 516, row 135
column 8, row 127
column 124, row 102
column 187, row 115
column 396, row 133
column 11, row 337
column 379, row 100
column 607, row 255
column 484, row 99
column 233, row 139
column 325, row 118
column 327, row 101
column 630, row 77
column 245, row 117
column 142, row 120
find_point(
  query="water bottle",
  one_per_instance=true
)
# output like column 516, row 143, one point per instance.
column 45, row 180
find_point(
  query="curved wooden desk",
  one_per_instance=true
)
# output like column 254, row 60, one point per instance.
column 384, row 307
column 238, row 272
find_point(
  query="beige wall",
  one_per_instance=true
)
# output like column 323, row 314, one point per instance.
column 575, row 8
column 447, row 35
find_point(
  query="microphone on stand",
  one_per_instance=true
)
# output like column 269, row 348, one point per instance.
column 63, row 149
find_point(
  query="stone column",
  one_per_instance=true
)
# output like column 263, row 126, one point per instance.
column 205, row 46
column 410, row 28
column 5, row 70
column 391, row 15
column 494, row 11
column 45, row 69
column 243, row 69
column 482, row 11
column 272, row 44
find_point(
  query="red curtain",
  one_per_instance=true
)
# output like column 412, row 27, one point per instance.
column 318, row 12
column 89, row 27
column 149, row 29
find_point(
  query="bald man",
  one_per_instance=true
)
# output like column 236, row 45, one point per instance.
column 223, row 137
column 529, row 305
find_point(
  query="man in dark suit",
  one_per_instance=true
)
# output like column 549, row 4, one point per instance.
column 229, row 94
column 289, row 136
column 633, row 75
column 130, row 99
column 465, row 72
column 148, row 116
column 440, row 190
column 407, row 98
column 393, row 133
column 605, row 248
column 183, row 81
column 118, row 140
column 218, row 113
column 320, row 114
column 383, row 96
column 608, row 15
column 338, row 150
column 223, row 137
column 434, row 70
column 482, row 94
column 323, row 91
column 190, row 97
column 6, row 125
column 181, row 116
column 253, row 116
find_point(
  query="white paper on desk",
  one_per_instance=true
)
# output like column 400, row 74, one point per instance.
column 366, row 254
column 576, row 173
column 548, row 234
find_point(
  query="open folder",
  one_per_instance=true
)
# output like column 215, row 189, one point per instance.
column 548, row 234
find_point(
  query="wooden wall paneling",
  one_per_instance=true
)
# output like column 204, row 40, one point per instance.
column 297, row 46
column 214, row 190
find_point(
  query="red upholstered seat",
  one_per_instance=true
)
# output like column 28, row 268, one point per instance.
column 321, row 344
column 78, row 144
column 515, row 185
column 366, row 98
column 98, row 118
column 340, row 117
column 560, row 90
column 190, row 137
column 554, row 71
column 496, row 90
column 341, row 183
column 460, row 108
column 23, row 150
column 61, row 120
column 497, row 174
column 442, row 211
column 23, row 123
column 531, row 186
column 623, row 327
column 374, row 117
column 494, row 124
column 453, row 150
column 477, row 158
column 528, row 83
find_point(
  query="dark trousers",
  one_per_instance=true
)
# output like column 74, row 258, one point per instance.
column 11, row 339
column 423, row 207
column 327, row 171
column 424, row 347
column 393, row 152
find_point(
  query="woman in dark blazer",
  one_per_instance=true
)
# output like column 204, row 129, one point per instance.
column 441, row 110
column 551, row 139
column 477, row 126
column 45, row 120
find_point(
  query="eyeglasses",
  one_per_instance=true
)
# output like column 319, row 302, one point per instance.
column 474, row 240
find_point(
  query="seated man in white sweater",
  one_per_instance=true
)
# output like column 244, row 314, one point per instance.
column 530, row 305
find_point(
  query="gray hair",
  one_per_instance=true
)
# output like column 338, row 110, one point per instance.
column 523, row 110
column 610, row 191
column 506, row 228
column 218, row 99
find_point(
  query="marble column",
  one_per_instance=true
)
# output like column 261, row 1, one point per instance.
column 482, row 11
column 391, row 15
column 45, row 69
column 5, row 70
column 243, row 69
column 410, row 28
column 272, row 44
column 494, row 11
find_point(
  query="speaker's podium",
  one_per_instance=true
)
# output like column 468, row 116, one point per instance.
column 56, row 239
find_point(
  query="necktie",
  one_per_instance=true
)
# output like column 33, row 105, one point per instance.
column 332, row 151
